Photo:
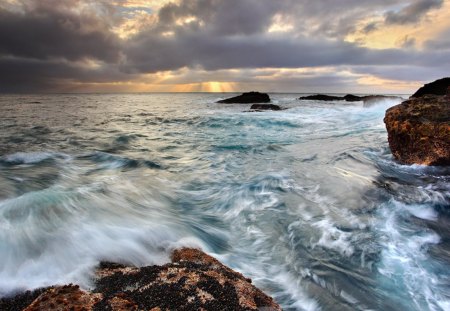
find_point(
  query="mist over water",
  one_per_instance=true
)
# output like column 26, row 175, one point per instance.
column 307, row 201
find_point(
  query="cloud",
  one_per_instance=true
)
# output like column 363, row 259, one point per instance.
column 413, row 12
column 48, row 29
column 50, row 44
column 370, row 27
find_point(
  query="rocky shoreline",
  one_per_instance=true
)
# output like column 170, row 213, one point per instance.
column 419, row 128
column 192, row 281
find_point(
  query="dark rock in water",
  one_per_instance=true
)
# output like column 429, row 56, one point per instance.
column 349, row 98
column 353, row 98
column 419, row 130
column 321, row 97
column 247, row 98
column 265, row 107
column 193, row 281
column 438, row 87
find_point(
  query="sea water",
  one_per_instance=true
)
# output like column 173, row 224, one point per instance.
column 307, row 201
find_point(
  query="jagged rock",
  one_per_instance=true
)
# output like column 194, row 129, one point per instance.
column 265, row 107
column 247, row 98
column 438, row 87
column 419, row 130
column 321, row 97
column 193, row 281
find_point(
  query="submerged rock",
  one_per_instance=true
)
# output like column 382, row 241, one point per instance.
column 193, row 281
column 438, row 87
column 265, row 107
column 247, row 98
column 419, row 130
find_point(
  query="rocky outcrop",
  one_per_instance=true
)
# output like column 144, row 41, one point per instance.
column 247, row 98
column 193, row 281
column 321, row 97
column 438, row 87
column 352, row 98
column 368, row 99
column 419, row 130
column 265, row 107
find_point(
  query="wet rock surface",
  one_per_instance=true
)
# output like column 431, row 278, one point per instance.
column 247, row 98
column 193, row 281
column 438, row 87
column 419, row 130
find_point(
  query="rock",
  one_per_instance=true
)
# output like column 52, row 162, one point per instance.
column 352, row 98
column 368, row 99
column 68, row 297
column 193, row 281
column 438, row 87
column 20, row 301
column 321, row 97
column 419, row 130
column 265, row 107
column 247, row 98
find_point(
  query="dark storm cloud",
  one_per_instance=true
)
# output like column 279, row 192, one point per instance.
column 46, row 30
column 34, row 75
column 231, row 17
column 49, row 43
column 153, row 53
column 210, row 43
column 413, row 12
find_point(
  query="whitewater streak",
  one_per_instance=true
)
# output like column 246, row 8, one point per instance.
column 308, row 201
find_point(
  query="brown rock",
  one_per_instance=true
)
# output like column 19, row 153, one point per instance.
column 419, row 130
column 193, row 281
column 62, row 298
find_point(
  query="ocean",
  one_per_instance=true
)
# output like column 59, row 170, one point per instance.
column 307, row 202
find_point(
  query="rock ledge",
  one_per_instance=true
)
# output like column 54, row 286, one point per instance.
column 419, row 130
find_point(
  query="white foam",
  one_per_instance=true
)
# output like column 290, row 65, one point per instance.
column 333, row 238
column 404, row 257
column 28, row 157
column 57, row 235
column 422, row 212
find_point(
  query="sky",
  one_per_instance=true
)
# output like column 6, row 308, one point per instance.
column 304, row 46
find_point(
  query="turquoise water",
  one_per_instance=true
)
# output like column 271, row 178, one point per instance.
column 307, row 201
